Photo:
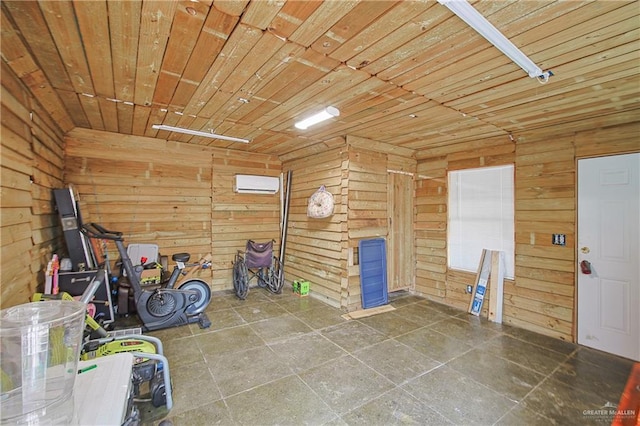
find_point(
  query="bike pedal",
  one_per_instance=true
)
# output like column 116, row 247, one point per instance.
column 204, row 321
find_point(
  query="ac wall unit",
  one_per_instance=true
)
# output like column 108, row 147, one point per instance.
column 251, row 184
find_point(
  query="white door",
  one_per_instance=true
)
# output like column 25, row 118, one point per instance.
column 609, row 254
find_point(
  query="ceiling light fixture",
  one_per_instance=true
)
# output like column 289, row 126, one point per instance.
column 325, row 114
column 197, row 133
column 475, row 20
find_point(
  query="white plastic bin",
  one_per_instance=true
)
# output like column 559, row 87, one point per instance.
column 40, row 345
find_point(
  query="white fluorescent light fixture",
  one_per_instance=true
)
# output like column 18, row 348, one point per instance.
column 475, row 20
column 325, row 114
column 197, row 133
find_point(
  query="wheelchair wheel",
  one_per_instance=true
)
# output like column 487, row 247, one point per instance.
column 240, row 278
column 263, row 277
column 204, row 295
column 276, row 277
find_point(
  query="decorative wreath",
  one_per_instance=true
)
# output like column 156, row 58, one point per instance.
column 320, row 204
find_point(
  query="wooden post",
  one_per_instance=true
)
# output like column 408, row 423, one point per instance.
column 496, row 283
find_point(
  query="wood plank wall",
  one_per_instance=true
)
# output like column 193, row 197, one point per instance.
column 324, row 251
column 316, row 249
column 368, row 188
column 541, row 298
column 151, row 191
column 31, row 162
column 615, row 140
column 178, row 196
column 433, row 279
column 237, row 218
column 367, row 212
column 430, row 227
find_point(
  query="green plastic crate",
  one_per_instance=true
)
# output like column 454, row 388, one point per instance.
column 301, row 287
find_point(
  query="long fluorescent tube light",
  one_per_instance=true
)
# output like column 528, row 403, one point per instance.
column 197, row 133
column 325, row 114
column 475, row 20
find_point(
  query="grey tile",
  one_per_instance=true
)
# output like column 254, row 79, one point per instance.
column 212, row 413
column 299, row 362
column 235, row 372
column 468, row 330
column 228, row 340
column 480, row 321
column 395, row 407
column 420, row 314
column 337, row 421
column 566, row 405
column 614, row 364
column 297, row 304
column 403, row 298
column 280, row 327
column 390, row 324
column 220, row 319
column 526, row 354
column 256, row 295
column 504, row 377
column 182, row 351
column 520, row 415
column 319, row 317
column 433, row 344
column 193, row 386
column 287, row 401
column 301, row 353
column 259, row 311
column 353, row 335
column 557, row 345
column 221, row 300
column 171, row 333
column 458, row 398
column 345, row 383
column 396, row 361
column 607, row 380
column 285, row 294
column 441, row 308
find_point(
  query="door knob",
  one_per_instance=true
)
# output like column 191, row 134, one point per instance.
column 585, row 267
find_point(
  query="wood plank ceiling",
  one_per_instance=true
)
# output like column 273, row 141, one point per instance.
column 408, row 73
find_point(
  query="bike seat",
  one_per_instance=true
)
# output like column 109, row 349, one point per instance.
column 181, row 257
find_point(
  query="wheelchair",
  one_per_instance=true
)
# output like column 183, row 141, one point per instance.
column 259, row 262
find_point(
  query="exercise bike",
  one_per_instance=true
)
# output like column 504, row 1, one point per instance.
column 165, row 306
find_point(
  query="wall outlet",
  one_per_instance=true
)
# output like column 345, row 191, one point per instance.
column 469, row 289
column 559, row 239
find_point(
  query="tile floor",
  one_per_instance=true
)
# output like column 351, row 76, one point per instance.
column 286, row 360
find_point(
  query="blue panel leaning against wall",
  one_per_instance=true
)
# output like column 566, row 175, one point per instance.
column 373, row 272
